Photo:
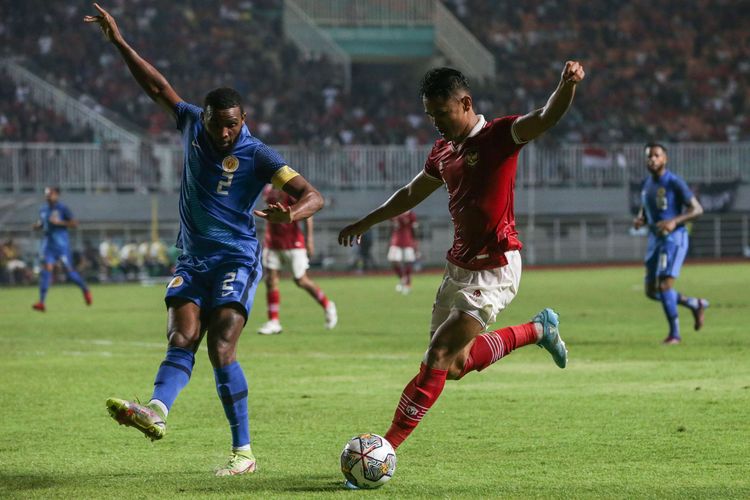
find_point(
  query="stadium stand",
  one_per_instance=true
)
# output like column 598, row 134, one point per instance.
column 701, row 95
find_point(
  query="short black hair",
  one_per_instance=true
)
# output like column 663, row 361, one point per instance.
column 56, row 189
column 442, row 83
column 655, row 145
column 223, row 98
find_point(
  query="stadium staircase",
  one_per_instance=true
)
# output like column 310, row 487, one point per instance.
column 392, row 31
column 47, row 95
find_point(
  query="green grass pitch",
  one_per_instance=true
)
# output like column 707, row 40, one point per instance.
column 628, row 418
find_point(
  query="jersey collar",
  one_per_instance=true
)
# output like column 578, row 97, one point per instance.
column 474, row 131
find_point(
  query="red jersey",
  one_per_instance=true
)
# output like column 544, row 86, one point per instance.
column 282, row 236
column 403, row 230
column 480, row 176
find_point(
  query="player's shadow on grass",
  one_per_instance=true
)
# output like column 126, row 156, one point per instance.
column 16, row 482
column 272, row 483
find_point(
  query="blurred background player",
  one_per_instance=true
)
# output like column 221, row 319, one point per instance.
column 212, row 291
column 285, row 245
column 664, row 194
column 402, row 251
column 476, row 160
column 54, row 221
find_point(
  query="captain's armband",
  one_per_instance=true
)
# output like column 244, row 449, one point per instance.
column 282, row 176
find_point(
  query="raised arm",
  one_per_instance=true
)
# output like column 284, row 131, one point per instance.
column 156, row 86
column 402, row 200
column 534, row 124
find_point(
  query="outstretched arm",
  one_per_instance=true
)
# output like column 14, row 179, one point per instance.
column 156, row 86
column 402, row 200
column 534, row 124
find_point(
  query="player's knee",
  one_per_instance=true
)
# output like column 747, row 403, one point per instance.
column 665, row 285
column 456, row 371
column 180, row 338
column 440, row 356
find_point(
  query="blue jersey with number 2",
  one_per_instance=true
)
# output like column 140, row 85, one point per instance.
column 219, row 190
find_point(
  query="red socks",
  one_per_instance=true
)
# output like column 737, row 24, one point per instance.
column 321, row 298
column 489, row 347
column 397, row 270
column 273, row 298
column 421, row 393
column 418, row 396
column 407, row 274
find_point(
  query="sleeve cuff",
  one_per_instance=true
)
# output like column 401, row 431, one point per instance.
column 513, row 134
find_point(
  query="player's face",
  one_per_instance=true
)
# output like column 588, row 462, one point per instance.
column 656, row 160
column 450, row 115
column 223, row 126
column 51, row 195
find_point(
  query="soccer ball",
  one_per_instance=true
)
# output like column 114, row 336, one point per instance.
column 368, row 461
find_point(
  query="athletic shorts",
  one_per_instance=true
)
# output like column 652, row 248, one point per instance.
column 294, row 259
column 50, row 254
column 665, row 255
column 212, row 282
column 401, row 254
column 480, row 294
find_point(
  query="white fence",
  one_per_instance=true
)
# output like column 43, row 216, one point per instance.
column 549, row 241
column 119, row 167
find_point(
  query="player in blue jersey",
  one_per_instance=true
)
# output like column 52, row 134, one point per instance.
column 54, row 220
column 225, row 170
column 664, row 197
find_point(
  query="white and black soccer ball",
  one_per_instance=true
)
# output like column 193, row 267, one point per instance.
column 368, row 461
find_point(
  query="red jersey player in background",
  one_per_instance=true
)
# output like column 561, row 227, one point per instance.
column 403, row 249
column 285, row 245
column 476, row 160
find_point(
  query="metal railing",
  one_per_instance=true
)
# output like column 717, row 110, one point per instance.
column 369, row 12
column 51, row 97
column 584, row 239
column 123, row 167
column 309, row 39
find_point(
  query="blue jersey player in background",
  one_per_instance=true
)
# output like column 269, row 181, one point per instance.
column 212, row 291
column 666, row 205
column 54, row 221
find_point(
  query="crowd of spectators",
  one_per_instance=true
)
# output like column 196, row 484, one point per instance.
column 673, row 70
column 661, row 70
column 21, row 119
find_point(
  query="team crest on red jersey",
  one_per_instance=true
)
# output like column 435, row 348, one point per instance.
column 472, row 158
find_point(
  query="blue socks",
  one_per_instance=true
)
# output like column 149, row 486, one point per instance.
column 669, row 303
column 231, row 385
column 232, row 389
column 689, row 302
column 76, row 278
column 173, row 375
column 44, row 279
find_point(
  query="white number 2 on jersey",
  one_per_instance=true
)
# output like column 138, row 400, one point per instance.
column 224, row 183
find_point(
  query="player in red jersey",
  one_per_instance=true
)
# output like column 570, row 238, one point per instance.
column 402, row 251
column 476, row 160
column 286, row 245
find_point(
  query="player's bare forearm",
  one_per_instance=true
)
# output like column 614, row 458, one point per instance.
column 310, row 202
column 535, row 123
column 153, row 83
column 149, row 78
column 402, row 200
column 694, row 211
